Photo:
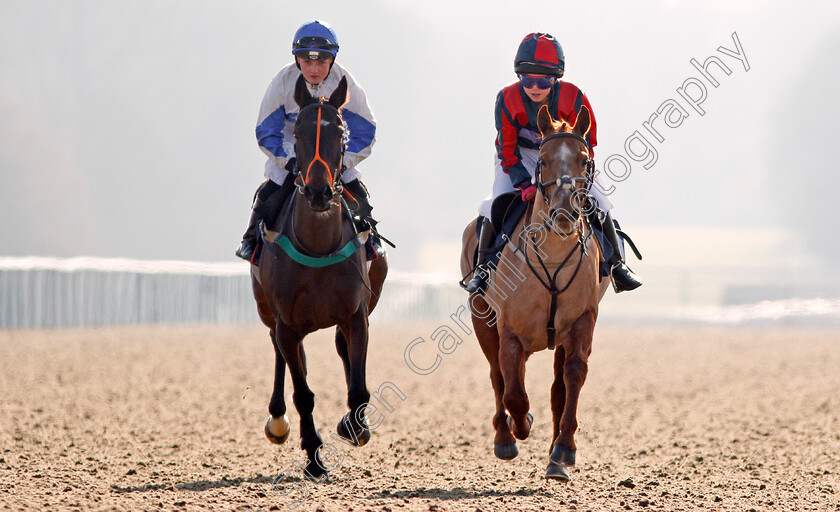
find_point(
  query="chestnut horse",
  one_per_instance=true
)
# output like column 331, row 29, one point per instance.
column 545, row 291
column 312, row 274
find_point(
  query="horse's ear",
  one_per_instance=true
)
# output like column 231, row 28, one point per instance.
column 583, row 122
column 302, row 96
column 544, row 121
column 339, row 95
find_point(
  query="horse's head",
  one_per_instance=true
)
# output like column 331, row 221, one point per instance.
column 319, row 143
column 563, row 173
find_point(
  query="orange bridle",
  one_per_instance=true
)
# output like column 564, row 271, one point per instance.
column 317, row 157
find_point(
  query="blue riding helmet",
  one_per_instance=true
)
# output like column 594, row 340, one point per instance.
column 315, row 39
column 539, row 54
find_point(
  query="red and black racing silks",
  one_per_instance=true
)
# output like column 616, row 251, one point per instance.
column 516, row 123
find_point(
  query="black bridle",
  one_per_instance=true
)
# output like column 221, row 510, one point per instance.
column 565, row 182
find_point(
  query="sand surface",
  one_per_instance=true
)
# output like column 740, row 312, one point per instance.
column 671, row 418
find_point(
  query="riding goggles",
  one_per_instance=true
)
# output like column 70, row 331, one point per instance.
column 315, row 43
column 541, row 81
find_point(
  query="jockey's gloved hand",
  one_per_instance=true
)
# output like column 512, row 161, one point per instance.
column 291, row 165
column 529, row 191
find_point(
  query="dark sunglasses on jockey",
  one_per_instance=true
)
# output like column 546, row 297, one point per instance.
column 317, row 43
column 541, row 81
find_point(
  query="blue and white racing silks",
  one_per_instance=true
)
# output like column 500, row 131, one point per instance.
column 278, row 112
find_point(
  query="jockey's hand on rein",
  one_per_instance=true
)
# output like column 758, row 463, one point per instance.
column 528, row 192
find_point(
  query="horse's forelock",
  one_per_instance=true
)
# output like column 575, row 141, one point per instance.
column 562, row 126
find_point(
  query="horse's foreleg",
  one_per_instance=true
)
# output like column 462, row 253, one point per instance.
column 512, row 359
column 354, row 426
column 558, row 403
column 575, row 368
column 277, row 427
column 310, row 440
column 504, row 444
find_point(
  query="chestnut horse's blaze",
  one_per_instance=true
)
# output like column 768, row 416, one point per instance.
column 556, row 303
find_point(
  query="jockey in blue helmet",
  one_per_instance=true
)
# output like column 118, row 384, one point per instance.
column 315, row 40
column 314, row 47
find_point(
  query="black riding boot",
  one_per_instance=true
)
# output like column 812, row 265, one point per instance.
column 363, row 210
column 623, row 278
column 268, row 200
column 478, row 284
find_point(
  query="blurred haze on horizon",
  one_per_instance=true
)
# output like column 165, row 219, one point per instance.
column 127, row 128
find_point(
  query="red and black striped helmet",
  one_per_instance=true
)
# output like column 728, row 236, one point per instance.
column 540, row 54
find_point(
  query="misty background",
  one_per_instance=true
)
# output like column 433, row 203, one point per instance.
column 127, row 128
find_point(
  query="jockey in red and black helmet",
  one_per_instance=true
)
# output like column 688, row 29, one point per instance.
column 539, row 65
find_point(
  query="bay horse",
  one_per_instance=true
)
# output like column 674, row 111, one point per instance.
column 544, row 293
column 312, row 274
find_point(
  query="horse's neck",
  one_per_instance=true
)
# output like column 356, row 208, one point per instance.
column 317, row 232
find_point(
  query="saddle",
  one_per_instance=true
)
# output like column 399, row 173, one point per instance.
column 505, row 213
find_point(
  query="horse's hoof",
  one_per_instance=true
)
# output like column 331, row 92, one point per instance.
column 557, row 472
column 280, row 424
column 560, row 455
column 506, row 451
column 315, row 473
column 346, row 430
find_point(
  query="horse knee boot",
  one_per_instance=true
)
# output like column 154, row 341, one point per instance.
column 478, row 284
column 623, row 278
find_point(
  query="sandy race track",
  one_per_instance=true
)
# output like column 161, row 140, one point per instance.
column 171, row 419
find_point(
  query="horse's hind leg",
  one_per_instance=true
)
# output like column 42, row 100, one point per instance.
column 291, row 346
column 504, row 444
column 575, row 367
column 378, row 272
column 277, row 427
column 558, row 391
column 341, row 348
column 353, row 426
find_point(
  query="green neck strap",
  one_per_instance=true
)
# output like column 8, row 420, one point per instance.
column 319, row 261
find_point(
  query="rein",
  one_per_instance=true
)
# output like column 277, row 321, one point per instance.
column 550, row 281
